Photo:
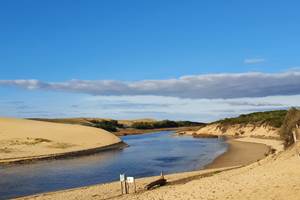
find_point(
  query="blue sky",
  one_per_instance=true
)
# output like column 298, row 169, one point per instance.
column 114, row 50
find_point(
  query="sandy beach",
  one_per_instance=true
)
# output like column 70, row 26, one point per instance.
column 234, row 159
column 25, row 140
column 239, row 153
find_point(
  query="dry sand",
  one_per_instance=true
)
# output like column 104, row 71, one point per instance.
column 275, row 144
column 22, row 139
column 277, row 176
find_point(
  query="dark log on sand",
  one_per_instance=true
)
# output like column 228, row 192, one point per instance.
column 159, row 182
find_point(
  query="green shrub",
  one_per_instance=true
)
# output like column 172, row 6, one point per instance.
column 108, row 125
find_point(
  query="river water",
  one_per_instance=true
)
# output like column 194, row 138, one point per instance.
column 147, row 155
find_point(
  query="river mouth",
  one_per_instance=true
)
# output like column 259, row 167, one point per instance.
column 147, row 155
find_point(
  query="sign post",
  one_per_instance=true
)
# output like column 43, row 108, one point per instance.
column 123, row 183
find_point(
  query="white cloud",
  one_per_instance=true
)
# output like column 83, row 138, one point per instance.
column 254, row 104
column 211, row 86
column 254, row 60
column 142, row 106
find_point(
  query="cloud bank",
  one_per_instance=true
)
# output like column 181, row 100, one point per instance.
column 210, row 86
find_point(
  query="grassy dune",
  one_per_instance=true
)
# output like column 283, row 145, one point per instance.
column 272, row 118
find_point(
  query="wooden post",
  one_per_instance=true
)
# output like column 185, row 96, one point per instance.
column 126, row 189
column 294, row 136
column 121, row 187
column 162, row 174
column 134, row 186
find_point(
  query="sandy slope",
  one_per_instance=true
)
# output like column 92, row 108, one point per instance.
column 27, row 138
column 239, row 130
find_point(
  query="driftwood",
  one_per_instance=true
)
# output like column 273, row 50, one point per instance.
column 160, row 182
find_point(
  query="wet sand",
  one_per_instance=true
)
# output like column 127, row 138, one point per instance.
column 240, row 153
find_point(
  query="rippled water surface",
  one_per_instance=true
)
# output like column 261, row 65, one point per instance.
column 147, row 155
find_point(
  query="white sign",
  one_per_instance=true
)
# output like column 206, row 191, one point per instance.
column 122, row 177
column 130, row 179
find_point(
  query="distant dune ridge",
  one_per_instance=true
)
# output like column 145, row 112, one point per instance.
column 22, row 139
column 89, row 120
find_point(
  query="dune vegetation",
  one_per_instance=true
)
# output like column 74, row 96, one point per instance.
column 271, row 118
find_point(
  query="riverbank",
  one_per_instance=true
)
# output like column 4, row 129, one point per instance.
column 64, row 155
column 112, row 190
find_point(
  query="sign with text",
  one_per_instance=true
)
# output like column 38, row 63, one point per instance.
column 130, row 179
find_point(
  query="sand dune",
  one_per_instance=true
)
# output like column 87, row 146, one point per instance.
column 22, row 139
